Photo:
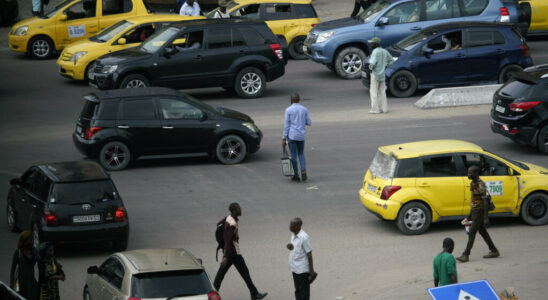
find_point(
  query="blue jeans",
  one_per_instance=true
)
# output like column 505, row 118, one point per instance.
column 297, row 150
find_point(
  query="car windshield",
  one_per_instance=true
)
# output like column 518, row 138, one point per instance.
column 110, row 32
column 230, row 6
column 413, row 40
column 157, row 40
column 170, row 283
column 83, row 192
column 383, row 165
column 55, row 9
column 514, row 162
column 373, row 11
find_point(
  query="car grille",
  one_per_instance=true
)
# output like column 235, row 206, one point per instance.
column 311, row 38
column 98, row 69
column 65, row 56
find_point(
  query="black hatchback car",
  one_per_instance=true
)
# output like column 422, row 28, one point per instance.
column 119, row 126
column 520, row 108
column 236, row 54
column 68, row 202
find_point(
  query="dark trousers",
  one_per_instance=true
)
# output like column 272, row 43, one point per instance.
column 477, row 225
column 239, row 262
column 302, row 286
column 297, row 150
column 363, row 4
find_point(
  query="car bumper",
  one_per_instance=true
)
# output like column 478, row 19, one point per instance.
column 18, row 43
column 86, row 233
column 103, row 81
column 525, row 135
column 71, row 70
column 384, row 209
column 317, row 54
column 254, row 142
column 89, row 148
column 275, row 71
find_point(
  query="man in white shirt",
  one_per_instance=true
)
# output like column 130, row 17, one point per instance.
column 190, row 8
column 300, row 260
column 222, row 12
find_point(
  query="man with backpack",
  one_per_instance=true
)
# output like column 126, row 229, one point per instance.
column 231, row 251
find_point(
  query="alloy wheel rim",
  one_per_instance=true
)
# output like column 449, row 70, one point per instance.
column 299, row 47
column 40, row 48
column 90, row 69
column 546, row 139
column 115, row 156
column 231, row 149
column 537, row 209
column 11, row 216
column 352, row 63
column 414, row 218
column 251, row 83
column 135, row 83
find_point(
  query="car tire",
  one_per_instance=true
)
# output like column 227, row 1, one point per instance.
column 36, row 236
column 11, row 217
column 89, row 69
column 542, row 143
column 40, row 47
column 506, row 72
column 250, row 83
column 525, row 13
column 414, row 218
column 231, row 149
column 110, row 154
column 120, row 245
column 402, row 84
column 349, row 63
column 296, row 48
column 86, row 294
column 134, row 81
column 534, row 209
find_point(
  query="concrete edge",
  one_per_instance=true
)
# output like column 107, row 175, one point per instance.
column 458, row 96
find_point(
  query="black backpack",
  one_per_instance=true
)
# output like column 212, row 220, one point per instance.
column 219, row 236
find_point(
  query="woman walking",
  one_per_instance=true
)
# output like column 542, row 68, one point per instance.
column 23, row 264
column 50, row 273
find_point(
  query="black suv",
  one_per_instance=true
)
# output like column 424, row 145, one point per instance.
column 520, row 108
column 119, row 126
column 68, row 202
column 240, row 55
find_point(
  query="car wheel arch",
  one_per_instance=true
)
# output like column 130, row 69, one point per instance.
column 424, row 202
column 531, row 193
column 356, row 44
column 120, row 140
column 44, row 35
column 221, row 135
column 123, row 75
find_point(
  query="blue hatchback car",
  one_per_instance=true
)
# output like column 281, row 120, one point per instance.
column 455, row 54
column 342, row 44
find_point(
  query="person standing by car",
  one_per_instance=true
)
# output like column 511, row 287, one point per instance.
column 232, row 254
column 479, row 203
column 296, row 120
column 360, row 4
column 300, row 260
column 38, row 7
column 222, row 13
column 190, row 8
column 22, row 268
column 445, row 266
column 378, row 62
column 50, row 273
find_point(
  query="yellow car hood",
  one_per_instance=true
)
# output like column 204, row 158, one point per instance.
column 537, row 169
column 83, row 45
column 34, row 21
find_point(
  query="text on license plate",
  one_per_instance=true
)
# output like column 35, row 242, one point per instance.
column 371, row 188
column 91, row 76
column 500, row 109
column 86, row 219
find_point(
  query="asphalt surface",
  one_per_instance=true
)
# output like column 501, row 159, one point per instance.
column 176, row 203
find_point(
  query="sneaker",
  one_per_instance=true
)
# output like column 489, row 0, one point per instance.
column 463, row 258
column 303, row 175
column 374, row 112
column 296, row 178
column 259, row 296
column 492, row 254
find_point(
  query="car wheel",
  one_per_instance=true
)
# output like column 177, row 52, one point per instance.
column 507, row 72
column 11, row 217
column 114, row 156
column 120, row 245
column 36, row 236
column 402, row 84
column 89, row 70
column 349, row 63
column 231, row 149
column 86, row 293
column 414, row 218
column 250, row 83
column 534, row 210
column 542, row 143
column 525, row 15
column 296, row 50
column 40, row 47
column 134, row 81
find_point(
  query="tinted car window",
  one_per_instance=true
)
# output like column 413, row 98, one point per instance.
column 43, row 185
column 517, row 88
column 179, row 110
column 277, row 11
column 440, row 166
column 237, row 38
column 112, row 271
column 167, row 284
column 404, row 13
column 247, row 12
column 30, row 181
column 139, row 34
column 81, row 10
column 111, row 7
column 89, row 110
column 483, row 38
column 407, row 168
column 138, row 110
column 108, row 110
column 442, row 9
column 251, row 36
column 445, row 42
column 493, row 167
column 218, row 38
column 304, row 11
column 111, row 31
column 84, row 192
column 474, row 7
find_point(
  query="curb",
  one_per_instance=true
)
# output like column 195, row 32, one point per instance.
column 458, row 96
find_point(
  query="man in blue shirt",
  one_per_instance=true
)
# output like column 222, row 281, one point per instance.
column 296, row 120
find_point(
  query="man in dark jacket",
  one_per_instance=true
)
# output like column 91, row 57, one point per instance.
column 231, row 252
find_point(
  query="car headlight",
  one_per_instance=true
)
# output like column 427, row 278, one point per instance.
column 251, row 126
column 76, row 56
column 395, row 58
column 324, row 36
column 108, row 69
column 21, row 30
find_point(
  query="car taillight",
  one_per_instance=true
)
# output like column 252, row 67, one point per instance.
column 120, row 214
column 213, row 296
column 91, row 131
column 523, row 106
column 504, row 14
column 133, row 298
column 314, row 25
column 50, row 218
column 524, row 50
column 388, row 191
column 277, row 49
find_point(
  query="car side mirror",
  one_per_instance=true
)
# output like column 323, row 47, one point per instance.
column 93, row 270
column 63, row 17
column 15, row 181
column 122, row 41
column 200, row 261
column 428, row 51
column 169, row 51
column 383, row 21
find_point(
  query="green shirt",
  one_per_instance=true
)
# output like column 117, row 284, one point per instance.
column 444, row 265
column 378, row 62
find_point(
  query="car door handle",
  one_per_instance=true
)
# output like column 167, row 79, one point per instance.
column 415, row 28
column 123, row 126
column 167, row 127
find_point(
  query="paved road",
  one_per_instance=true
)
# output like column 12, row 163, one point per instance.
column 176, row 203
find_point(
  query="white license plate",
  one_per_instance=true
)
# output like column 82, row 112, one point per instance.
column 91, row 76
column 86, row 219
column 500, row 109
column 78, row 129
column 371, row 188
column 305, row 49
column 364, row 74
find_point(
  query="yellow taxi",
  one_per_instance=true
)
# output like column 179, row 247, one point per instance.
column 418, row 183
column 537, row 11
column 292, row 19
column 69, row 21
column 77, row 59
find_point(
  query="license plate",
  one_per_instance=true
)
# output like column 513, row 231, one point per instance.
column 371, row 188
column 91, row 76
column 86, row 219
column 305, row 49
column 364, row 74
column 500, row 109
column 78, row 129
